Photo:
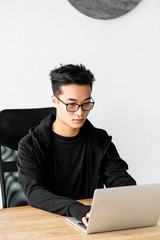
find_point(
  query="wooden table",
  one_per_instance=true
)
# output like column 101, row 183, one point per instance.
column 29, row 223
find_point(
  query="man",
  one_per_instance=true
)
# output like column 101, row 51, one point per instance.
column 66, row 158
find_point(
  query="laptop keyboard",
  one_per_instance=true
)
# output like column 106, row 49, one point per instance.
column 82, row 225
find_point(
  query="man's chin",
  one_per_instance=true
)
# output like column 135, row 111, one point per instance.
column 78, row 123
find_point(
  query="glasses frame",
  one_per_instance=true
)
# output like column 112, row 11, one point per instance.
column 78, row 105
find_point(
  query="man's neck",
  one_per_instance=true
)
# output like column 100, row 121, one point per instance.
column 64, row 131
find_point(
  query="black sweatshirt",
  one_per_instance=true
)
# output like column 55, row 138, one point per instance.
column 69, row 167
column 52, row 183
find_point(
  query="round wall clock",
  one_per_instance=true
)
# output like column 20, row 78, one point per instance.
column 104, row 9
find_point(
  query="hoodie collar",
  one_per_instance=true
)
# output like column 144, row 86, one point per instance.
column 42, row 133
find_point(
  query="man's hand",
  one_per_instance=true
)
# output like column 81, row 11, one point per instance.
column 85, row 219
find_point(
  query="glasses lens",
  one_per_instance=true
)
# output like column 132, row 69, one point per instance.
column 88, row 106
column 72, row 107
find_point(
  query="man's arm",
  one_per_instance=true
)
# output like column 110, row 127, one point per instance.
column 114, row 169
column 33, row 183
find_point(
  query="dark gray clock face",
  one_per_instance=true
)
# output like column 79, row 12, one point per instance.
column 104, row 9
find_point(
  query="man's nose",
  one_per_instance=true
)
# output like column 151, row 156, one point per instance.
column 79, row 111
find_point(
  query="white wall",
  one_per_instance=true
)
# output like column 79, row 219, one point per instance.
column 124, row 54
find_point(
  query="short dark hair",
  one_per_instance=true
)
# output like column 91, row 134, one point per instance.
column 67, row 74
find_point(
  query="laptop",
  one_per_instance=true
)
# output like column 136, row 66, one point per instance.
column 122, row 208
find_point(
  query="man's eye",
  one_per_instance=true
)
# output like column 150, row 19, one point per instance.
column 87, row 103
column 72, row 104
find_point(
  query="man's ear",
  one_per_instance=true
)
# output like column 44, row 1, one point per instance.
column 54, row 100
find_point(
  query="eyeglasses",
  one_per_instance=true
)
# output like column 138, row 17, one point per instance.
column 73, row 107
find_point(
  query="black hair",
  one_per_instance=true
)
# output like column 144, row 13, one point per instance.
column 68, row 74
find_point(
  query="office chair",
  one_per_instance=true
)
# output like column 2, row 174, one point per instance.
column 14, row 124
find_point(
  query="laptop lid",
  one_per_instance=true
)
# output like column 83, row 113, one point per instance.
column 123, row 208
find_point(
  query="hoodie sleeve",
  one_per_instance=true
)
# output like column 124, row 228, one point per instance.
column 114, row 169
column 32, row 180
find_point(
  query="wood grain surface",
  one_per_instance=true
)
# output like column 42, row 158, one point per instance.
column 33, row 224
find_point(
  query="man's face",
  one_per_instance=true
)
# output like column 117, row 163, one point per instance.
column 72, row 93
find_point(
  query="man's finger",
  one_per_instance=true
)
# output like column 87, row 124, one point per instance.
column 85, row 222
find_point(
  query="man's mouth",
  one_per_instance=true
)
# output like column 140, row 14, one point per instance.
column 78, row 120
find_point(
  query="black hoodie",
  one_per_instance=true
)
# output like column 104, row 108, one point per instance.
column 105, row 167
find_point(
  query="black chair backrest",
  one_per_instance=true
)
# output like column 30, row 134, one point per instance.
column 15, row 124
